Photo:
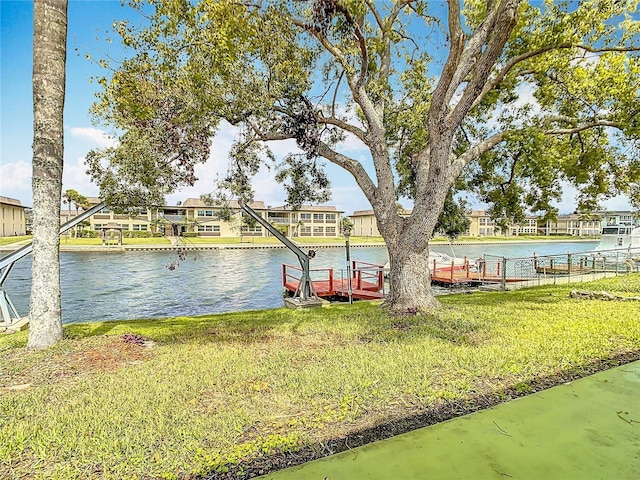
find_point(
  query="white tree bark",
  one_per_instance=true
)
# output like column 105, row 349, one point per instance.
column 49, row 59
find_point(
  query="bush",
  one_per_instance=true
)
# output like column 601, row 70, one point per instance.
column 190, row 234
column 136, row 234
column 87, row 234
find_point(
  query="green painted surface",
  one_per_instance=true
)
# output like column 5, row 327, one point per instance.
column 587, row 429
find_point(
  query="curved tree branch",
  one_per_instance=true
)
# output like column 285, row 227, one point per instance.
column 344, row 126
column 456, row 40
column 581, row 128
column 455, row 169
column 352, row 166
column 503, row 20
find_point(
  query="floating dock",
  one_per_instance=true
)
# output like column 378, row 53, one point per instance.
column 366, row 279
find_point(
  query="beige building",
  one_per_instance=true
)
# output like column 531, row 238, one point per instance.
column 365, row 223
column 194, row 217
column 482, row 225
column 619, row 218
column 529, row 226
column 12, row 216
column 572, row 224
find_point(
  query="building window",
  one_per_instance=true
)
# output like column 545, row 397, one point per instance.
column 251, row 230
column 305, row 216
column 97, row 226
column 318, row 217
column 330, row 217
column 305, row 231
column 205, row 213
column 330, row 231
column 209, row 228
column 318, row 231
column 139, row 227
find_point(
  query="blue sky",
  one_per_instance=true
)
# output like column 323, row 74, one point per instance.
column 90, row 25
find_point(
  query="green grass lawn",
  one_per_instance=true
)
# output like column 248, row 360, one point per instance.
column 10, row 240
column 126, row 241
column 215, row 391
column 275, row 241
column 355, row 240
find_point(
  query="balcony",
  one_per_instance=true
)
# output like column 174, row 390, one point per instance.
column 279, row 220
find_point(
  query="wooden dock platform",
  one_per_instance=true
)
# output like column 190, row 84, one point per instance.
column 367, row 281
column 470, row 274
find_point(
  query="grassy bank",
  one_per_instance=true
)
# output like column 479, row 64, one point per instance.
column 15, row 239
column 190, row 396
column 355, row 240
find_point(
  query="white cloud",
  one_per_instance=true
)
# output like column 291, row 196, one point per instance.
column 74, row 177
column 15, row 181
column 94, row 135
column 620, row 202
column 348, row 199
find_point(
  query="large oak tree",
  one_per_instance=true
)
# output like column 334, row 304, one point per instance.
column 504, row 98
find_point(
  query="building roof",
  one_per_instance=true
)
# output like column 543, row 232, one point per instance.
column 576, row 216
column 196, row 202
column 306, row 208
column 368, row 213
column 11, row 201
column 363, row 213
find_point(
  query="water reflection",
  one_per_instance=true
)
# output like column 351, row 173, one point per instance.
column 104, row 286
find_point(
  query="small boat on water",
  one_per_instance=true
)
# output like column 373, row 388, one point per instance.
column 618, row 237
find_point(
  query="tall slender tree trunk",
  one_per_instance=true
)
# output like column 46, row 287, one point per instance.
column 49, row 59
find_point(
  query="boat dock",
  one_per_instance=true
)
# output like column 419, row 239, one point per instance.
column 366, row 281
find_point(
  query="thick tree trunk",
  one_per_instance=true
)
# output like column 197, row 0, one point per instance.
column 410, row 280
column 49, row 59
column 407, row 239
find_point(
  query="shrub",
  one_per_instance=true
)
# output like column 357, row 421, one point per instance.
column 136, row 234
column 87, row 234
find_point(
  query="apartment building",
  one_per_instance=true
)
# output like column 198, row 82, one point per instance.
column 12, row 216
column 619, row 218
column 365, row 223
column 482, row 225
column 572, row 224
column 309, row 221
column 529, row 226
column 195, row 217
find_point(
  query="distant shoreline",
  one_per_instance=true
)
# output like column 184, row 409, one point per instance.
column 268, row 246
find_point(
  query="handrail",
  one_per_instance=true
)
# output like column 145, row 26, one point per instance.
column 9, row 260
column 306, row 290
column 7, row 310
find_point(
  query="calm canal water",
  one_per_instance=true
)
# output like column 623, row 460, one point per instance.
column 113, row 286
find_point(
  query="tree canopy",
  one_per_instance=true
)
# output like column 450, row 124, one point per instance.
column 507, row 99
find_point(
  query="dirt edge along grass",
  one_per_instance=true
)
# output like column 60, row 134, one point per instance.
column 258, row 466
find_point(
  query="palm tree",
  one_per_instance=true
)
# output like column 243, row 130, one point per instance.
column 49, row 60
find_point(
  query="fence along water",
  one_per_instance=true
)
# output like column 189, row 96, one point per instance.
column 559, row 268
